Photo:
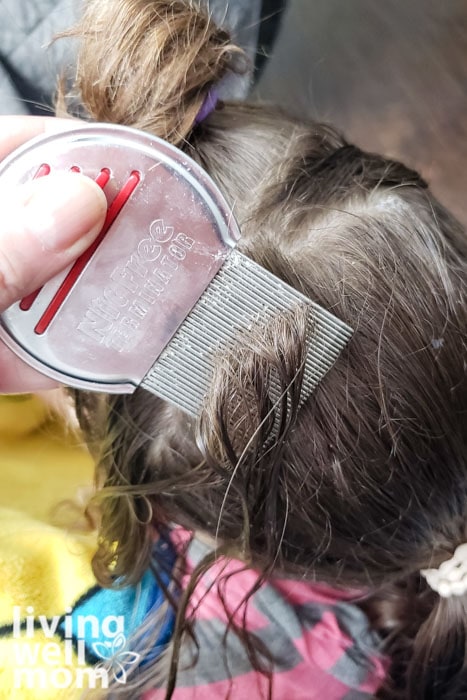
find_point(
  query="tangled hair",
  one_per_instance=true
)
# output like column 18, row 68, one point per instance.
column 364, row 484
column 131, row 52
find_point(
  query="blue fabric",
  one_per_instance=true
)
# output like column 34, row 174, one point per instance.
column 102, row 612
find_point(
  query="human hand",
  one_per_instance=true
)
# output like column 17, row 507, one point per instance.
column 44, row 226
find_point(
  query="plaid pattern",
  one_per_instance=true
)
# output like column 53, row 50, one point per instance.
column 321, row 642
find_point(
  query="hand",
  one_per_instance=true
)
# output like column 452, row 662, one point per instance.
column 44, row 226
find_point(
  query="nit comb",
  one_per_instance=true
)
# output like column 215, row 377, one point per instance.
column 163, row 288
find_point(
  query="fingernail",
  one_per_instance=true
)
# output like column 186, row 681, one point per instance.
column 65, row 211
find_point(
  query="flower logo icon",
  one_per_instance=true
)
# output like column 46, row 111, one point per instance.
column 117, row 658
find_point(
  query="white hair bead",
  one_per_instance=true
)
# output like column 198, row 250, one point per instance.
column 450, row 578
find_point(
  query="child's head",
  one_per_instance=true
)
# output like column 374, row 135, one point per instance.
column 365, row 483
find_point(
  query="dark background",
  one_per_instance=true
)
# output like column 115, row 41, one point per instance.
column 392, row 74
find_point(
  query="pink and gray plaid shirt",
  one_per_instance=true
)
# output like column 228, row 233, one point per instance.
column 322, row 643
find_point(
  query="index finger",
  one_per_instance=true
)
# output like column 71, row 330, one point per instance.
column 16, row 130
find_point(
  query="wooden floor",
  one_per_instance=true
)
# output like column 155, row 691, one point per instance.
column 392, row 74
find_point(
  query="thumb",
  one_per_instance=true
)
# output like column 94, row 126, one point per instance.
column 45, row 225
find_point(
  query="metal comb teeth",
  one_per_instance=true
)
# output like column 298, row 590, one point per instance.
column 162, row 289
column 241, row 294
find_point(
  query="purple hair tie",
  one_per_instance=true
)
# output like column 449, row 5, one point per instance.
column 208, row 106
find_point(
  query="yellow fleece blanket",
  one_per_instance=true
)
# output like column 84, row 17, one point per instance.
column 44, row 569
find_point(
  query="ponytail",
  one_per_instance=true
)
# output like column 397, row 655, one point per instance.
column 425, row 637
column 154, row 68
column 438, row 668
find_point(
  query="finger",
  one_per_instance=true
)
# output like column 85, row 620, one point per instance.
column 16, row 376
column 45, row 225
column 15, row 130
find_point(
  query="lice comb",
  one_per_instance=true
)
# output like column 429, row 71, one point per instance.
column 162, row 290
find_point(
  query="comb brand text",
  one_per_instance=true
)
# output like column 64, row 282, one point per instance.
column 113, row 318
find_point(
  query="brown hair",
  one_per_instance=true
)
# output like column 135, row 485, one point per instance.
column 365, row 484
